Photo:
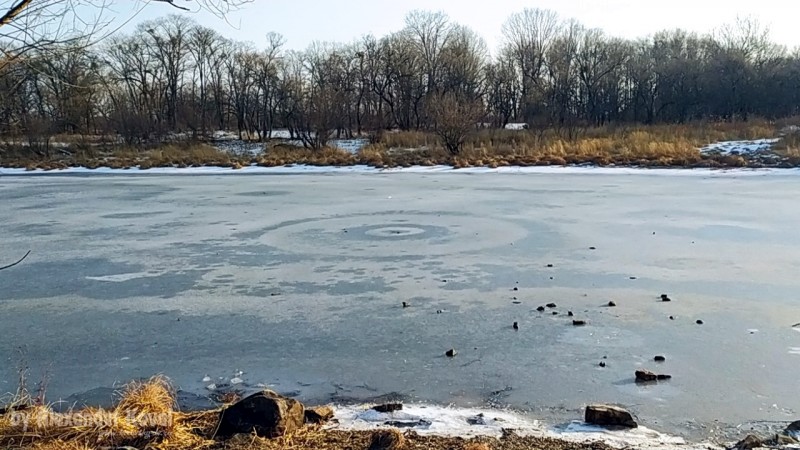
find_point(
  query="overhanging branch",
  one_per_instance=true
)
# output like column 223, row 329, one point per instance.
column 14, row 264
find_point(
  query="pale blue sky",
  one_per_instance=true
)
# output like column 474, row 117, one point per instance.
column 303, row 21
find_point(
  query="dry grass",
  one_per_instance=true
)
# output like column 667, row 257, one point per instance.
column 280, row 155
column 657, row 145
column 654, row 145
column 146, row 418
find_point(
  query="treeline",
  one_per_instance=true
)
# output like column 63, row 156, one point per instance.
column 172, row 75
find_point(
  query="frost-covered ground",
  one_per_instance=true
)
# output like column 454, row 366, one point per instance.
column 754, row 147
column 469, row 422
column 229, row 141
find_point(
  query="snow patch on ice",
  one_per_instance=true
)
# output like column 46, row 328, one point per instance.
column 739, row 147
column 363, row 169
column 122, row 277
column 470, row 422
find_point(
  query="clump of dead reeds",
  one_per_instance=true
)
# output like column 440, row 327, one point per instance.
column 146, row 416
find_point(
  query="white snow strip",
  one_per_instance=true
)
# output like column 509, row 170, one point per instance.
column 303, row 169
column 740, row 147
column 470, row 422
column 122, row 277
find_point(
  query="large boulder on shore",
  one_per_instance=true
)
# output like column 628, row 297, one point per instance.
column 266, row 413
column 793, row 429
column 749, row 443
column 609, row 416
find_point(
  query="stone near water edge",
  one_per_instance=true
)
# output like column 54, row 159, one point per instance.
column 515, row 326
column 699, row 322
column 671, row 317
column 266, row 413
column 570, row 314
column 387, row 440
column 540, row 309
column 784, row 439
column 451, row 353
column 659, row 358
column 406, row 305
column 515, row 289
column 476, row 420
column 592, row 248
column 388, row 407
column 612, row 304
column 552, row 305
column 748, row 443
column 609, row 416
column 602, row 364
column 578, row 323
column 665, row 298
column 644, row 376
column 793, row 429
column 550, row 266
column 555, row 313
column 319, row 415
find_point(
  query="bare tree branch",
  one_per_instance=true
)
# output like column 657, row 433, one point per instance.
column 14, row 264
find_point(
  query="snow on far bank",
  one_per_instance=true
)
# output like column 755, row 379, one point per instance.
column 470, row 422
column 739, row 147
column 361, row 169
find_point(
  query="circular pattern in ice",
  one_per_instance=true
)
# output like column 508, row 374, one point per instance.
column 394, row 231
column 393, row 234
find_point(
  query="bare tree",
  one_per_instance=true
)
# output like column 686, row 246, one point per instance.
column 454, row 118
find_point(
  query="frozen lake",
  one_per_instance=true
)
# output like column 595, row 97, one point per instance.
column 298, row 280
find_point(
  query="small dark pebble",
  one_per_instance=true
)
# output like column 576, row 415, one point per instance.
column 699, row 322
column 602, row 364
column 516, row 288
column 555, row 313
column 516, row 302
column 633, row 278
column 664, row 377
column 551, row 305
column 540, row 309
column 660, row 358
column 550, row 266
column 671, row 317
column 579, row 323
column 592, row 248
column 451, row 353
column 665, row 298
column 516, row 326
column 551, row 278
column 405, row 305
column 570, row 314
column 513, row 298
column 611, row 304
column 444, row 281
column 439, row 311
